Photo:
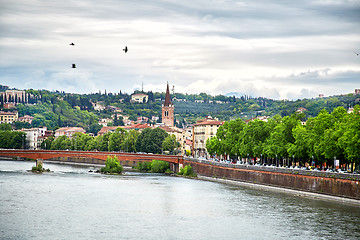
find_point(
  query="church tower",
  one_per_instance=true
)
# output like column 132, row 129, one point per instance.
column 168, row 109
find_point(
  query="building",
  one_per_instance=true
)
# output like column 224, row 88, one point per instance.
column 167, row 109
column 14, row 95
column 203, row 130
column 26, row 118
column 98, row 106
column 105, row 121
column 106, row 129
column 68, row 131
column 138, row 127
column 35, row 136
column 8, row 117
column 139, row 98
column 179, row 134
column 32, row 135
column 261, row 118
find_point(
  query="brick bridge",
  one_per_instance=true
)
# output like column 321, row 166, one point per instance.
column 128, row 159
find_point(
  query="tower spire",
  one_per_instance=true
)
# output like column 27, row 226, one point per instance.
column 167, row 102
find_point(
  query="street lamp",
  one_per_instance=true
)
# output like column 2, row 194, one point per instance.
column 276, row 161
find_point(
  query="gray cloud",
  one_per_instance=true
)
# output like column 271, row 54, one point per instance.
column 277, row 49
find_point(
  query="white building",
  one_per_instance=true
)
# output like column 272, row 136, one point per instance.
column 139, row 98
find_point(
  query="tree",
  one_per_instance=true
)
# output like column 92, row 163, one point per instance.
column 151, row 140
column 94, row 128
column 350, row 140
column 46, row 144
column 112, row 165
column 5, row 127
column 170, row 143
column 117, row 139
column 130, row 141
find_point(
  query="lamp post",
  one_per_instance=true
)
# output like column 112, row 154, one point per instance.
column 276, row 161
column 261, row 160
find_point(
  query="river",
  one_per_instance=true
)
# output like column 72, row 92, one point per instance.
column 72, row 203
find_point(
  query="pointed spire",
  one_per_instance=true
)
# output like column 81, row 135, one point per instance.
column 167, row 102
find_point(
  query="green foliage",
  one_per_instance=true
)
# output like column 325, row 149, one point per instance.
column 11, row 139
column 39, row 169
column 187, row 171
column 323, row 138
column 151, row 140
column 170, row 143
column 155, row 166
column 5, row 127
column 112, row 165
column 158, row 166
column 144, row 166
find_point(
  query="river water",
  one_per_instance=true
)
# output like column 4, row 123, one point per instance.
column 73, row 203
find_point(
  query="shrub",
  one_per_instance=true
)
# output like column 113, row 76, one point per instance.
column 39, row 168
column 112, row 165
column 158, row 166
column 144, row 166
column 187, row 171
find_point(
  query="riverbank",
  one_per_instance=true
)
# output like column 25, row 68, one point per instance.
column 311, row 195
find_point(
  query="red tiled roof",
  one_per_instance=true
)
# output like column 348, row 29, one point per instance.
column 209, row 122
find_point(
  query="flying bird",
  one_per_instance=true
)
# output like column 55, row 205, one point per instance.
column 125, row 49
column 73, row 65
column 72, row 44
column 357, row 54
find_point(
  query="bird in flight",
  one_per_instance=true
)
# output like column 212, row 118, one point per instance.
column 72, row 44
column 125, row 49
column 357, row 54
column 73, row 65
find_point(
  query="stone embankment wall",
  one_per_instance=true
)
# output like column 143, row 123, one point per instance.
column 341, row 185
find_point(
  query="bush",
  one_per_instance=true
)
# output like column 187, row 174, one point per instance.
column 144, row 166
column 112, row 165
column 158, row 166
column 187, row 171
column 39, row 168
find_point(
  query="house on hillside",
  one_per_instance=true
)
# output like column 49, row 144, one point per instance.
column 68, row 131
column 139, row 98
column 8, row 117
column 26, row 118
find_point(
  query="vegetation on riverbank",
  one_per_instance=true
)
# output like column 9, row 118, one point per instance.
column 155, row 166
column 187, row 171
column 112, row 166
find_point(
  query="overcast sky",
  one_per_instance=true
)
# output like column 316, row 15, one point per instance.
column 272, row 48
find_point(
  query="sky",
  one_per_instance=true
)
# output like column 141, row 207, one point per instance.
column 266, row 48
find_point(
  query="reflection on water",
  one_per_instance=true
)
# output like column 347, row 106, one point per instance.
column 73, row 203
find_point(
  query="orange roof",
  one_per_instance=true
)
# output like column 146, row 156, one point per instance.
column 170, row 129
column 137, row 126
column 106, row 129
column 209, row 122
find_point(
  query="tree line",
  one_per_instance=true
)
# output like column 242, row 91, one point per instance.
column 322, row 139
column 149, row 140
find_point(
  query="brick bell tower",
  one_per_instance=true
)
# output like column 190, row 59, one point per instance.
column 168, row 109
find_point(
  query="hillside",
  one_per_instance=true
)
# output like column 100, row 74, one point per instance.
column 56, row 109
